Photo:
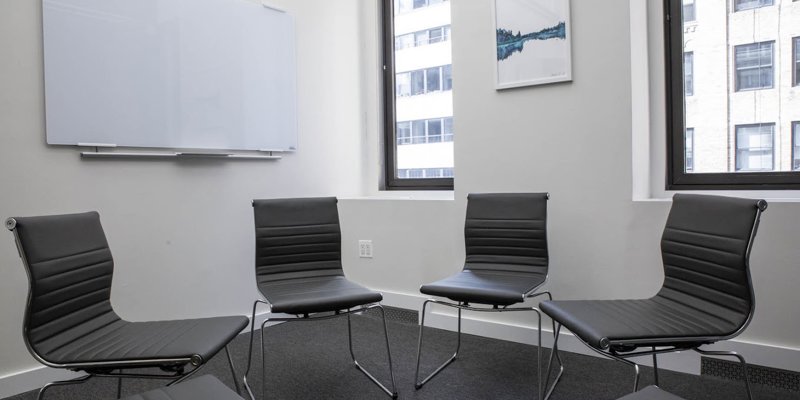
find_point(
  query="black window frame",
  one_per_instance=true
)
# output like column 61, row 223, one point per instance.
column 676, row 177
column 391, row 181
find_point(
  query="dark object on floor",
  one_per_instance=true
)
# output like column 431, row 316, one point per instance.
column 506, row 263
column 651, row 393
column 205, row 387
column 707, row 294
column 299, row 272
column 69, row 321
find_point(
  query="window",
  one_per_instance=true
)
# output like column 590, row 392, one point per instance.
column 796, row 146
column 418, row 129
column 435, row 130
column 688, row 73
column 754, row 66
column 689, row 149
column 688, row 11
column 744, row 133
column 425, row 173
column 740, row 5
column 754, row 147
column 422, row 38
column 428, row 80
column 796, row 61
column 409, row 5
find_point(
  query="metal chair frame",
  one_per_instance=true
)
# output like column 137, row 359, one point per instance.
column 315, row 317
column 675, row 343
column 465, row 306
column 106, row 369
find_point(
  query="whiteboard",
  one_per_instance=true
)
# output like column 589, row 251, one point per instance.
column 193, row 74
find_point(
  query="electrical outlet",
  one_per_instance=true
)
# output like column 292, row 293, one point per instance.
column 365, row 248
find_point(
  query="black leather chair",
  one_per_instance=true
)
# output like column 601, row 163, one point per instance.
column 506, row 263
column 205, row 387
column 707, row 295
column 69, row 322
column 299, row 272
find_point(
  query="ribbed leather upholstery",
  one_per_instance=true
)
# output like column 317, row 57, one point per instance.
column 506, row 250
column 70, row 319
column 205, row 387
column 706, row 294
column 651, row 393
column 298, row 257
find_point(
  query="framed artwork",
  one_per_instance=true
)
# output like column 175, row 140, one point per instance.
column 533, row 42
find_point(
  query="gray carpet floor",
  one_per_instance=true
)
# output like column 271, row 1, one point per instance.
column 310, row 360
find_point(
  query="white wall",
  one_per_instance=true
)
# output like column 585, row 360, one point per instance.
column 573, row 140
column 181, row 232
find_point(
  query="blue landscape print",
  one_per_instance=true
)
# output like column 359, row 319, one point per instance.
column 509, row 43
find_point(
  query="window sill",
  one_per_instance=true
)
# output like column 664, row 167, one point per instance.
column 412, row 195
column 772, row 196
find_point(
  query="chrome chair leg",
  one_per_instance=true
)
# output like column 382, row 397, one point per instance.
column 250, row 352
column 655, row 366
column 233, row 370
column 539, row 353
column 554, row 355
column 119, row 386
column 393, row 391
column 263, row 362
column 75, row 381
column 417, row 383
column 741, row 361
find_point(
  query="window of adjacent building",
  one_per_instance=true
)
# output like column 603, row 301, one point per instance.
column 409, row 5
column 434, row 130
column 796, row 61
column 689, row 149
column 745, row 129
column 422, row 38
column 434, row 79
column 422, row 173
column 688, row 73
column 740, row 5
column 754, row 144
column 688, row 11
column 418, row 127
column 754, row 66
column 796, row 145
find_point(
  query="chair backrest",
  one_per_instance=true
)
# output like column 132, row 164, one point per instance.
column 507, row 232
column 297, row 238
column 70, row 269
column 705, row 250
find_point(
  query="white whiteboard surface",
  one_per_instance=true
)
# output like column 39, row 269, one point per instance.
column 195, row 74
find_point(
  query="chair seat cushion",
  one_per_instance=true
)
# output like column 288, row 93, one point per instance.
column 651, row 393
column 645, row 322
column 140, row 343
column 205, row 387
column 485, row 286
column 316, row 294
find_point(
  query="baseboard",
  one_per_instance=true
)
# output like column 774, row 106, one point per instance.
column 689, row 362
